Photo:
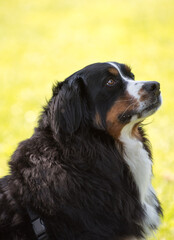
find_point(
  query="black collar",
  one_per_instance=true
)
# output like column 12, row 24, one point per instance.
column 38, row 225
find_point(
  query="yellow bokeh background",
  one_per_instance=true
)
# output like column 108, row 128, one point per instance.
column 44, row 41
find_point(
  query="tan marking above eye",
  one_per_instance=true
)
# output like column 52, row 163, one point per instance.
column 113, row 71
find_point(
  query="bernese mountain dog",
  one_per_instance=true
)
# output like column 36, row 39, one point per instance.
column 86, row 171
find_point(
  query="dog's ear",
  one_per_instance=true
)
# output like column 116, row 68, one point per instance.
column 68, row 105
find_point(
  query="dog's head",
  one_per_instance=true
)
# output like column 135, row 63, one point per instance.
column 104, row 96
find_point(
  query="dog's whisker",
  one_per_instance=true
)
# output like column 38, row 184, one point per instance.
column 127, row 100
column 127, row 108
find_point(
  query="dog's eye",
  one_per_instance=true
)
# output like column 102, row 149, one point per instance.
column 110, row 82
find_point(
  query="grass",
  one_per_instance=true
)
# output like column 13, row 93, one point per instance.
column 45, row 41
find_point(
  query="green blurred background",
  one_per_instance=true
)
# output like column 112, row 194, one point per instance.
column 46, row 40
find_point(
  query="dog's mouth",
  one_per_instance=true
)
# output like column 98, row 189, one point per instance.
column 145, row 111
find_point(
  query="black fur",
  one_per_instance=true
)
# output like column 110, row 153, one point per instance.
column 70, row 171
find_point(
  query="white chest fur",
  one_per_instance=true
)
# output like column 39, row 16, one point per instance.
column 140, row 166
column 138, row 161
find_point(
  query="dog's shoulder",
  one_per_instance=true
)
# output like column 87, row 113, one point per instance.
column 10, row 215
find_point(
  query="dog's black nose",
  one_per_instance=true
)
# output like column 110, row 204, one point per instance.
column 152, row 87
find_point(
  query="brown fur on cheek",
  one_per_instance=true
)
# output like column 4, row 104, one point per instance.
column 114, row 126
